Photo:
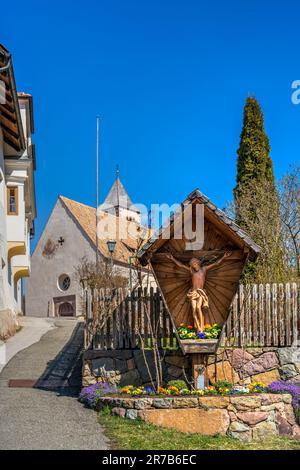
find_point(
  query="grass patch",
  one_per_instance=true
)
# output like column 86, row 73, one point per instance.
column 138, row 435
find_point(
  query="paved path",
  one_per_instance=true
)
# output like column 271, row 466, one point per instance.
column 32, row 331
column 49, row 415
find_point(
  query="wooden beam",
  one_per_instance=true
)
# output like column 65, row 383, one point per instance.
column 10, row 126
column 6, row 110
column 199, row 346
column 187, row 255
column 11, row 140
column 9, row 107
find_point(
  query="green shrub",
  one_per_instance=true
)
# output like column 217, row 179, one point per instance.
column 180, row 384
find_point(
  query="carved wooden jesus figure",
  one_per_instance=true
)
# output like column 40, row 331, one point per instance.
column 197, row 295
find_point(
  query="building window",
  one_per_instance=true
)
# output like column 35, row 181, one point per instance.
column 12, row 201
column 64, row 282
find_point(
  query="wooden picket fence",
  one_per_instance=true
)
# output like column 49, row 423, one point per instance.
column 264, row 315
column 261, row 315
column 128, row 320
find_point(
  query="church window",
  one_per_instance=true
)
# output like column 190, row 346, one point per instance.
column 64, row 282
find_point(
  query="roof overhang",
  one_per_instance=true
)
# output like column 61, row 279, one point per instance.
column 10, row 117
column 212, row 212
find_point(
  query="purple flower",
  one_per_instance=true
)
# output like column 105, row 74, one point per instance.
column 149, row 391
column 90, row 395
column 285, row 387
column 201, row 334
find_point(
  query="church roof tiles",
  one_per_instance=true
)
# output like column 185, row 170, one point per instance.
column 126, row 243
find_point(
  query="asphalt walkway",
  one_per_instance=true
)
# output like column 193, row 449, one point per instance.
column 32, row 329
column 48, row 415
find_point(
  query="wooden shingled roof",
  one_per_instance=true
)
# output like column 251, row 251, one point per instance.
column 85, row 216
column 212, row 211
column 10, row 119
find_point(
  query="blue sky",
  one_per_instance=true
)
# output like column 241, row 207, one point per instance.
column 169, row 79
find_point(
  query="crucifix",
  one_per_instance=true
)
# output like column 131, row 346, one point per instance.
column 197, row 295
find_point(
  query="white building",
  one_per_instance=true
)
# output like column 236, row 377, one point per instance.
column 69, row 236
column 17, row 195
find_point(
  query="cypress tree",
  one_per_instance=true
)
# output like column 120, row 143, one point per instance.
column 254, row 161
column 255, row 192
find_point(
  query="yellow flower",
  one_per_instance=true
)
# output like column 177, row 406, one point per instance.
column 181, row 324
column 253, row 385
column 207, row 325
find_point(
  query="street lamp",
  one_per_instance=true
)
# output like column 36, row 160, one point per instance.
column 111, row 245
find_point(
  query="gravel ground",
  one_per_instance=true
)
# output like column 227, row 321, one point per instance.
column 49, row 415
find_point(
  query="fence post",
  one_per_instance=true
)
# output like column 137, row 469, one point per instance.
column 288, row 314
column 235, row 320
column 274, row 314
column 281, row 304
column 268, row 335
column 254, row 315
column 295, row 313
column 242, row 315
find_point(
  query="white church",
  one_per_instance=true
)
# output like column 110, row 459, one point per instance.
column 17, row 194
column 53, row 289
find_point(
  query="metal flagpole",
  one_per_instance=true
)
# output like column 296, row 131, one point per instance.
column 97, row 185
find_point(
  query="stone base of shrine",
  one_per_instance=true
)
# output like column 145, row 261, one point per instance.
column 247, row 418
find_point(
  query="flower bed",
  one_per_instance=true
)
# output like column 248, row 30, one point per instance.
column 179, row 388
column 92, row 394
column 246, row 413
column 189, row 332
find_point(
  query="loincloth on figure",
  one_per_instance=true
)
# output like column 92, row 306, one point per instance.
column 195, row 294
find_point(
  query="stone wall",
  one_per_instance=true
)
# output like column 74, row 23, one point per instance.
column 246, row 418
column 252, row 364
column 128, row 367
